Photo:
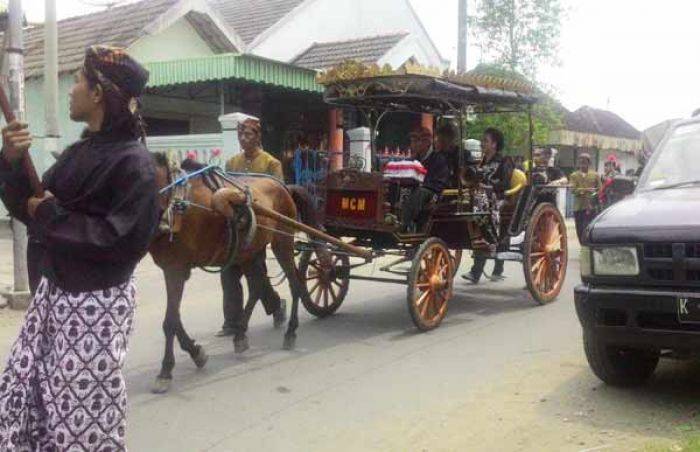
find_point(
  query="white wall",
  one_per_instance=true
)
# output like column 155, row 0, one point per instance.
column 178, row 41
column 410, row 46
column 341, row 20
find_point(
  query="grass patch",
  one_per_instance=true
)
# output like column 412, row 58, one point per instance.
column 690, row 444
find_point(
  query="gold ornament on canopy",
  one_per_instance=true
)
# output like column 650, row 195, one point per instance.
column 354, row 70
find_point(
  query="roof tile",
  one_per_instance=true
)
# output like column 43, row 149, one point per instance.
column 600, row 122
column 250, row 18
column 365, row 50
column 120, row 26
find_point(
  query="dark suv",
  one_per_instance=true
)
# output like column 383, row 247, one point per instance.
column 640, row 267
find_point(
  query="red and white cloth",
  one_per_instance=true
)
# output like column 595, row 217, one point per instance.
column 405, row 169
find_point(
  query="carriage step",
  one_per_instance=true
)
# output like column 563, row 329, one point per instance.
column 509, row 256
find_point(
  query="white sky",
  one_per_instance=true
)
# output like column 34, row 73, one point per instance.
column 638, row 58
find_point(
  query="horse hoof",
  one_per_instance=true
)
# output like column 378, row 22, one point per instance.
column 201, row 359
column 280, row 316
column 290, row 342
column 240, row 345
column 162, row 385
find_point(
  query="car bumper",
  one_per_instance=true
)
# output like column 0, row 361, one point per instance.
column 639, row 318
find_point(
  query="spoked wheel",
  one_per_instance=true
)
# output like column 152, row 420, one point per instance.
column 430, row 283
column 545, row 253
column 456, row 256
column 326, row 281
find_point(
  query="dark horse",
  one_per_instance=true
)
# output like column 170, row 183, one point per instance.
column 200, row 237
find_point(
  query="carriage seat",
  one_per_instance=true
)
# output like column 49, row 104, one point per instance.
column 518, row 182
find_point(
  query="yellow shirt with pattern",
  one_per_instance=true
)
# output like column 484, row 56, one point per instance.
column 263, row 163
column 585, row 186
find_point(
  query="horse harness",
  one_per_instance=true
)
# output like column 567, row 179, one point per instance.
column 179, row 201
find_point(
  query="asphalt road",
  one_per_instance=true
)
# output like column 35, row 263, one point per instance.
column 501, row 373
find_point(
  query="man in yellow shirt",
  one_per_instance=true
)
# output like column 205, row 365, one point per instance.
column 585, row 184
column 253, row 159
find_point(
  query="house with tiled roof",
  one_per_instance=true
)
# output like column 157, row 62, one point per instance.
column 151, row 30
column 600, row 133
column 284, row 30
column 209, row 57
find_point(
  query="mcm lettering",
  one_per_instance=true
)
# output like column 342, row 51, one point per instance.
column 353, row 204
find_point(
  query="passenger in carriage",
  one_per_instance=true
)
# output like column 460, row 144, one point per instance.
column 253, row 159
column 445, row 143
column 545, row 172
column 437, row 178
column 494, row 171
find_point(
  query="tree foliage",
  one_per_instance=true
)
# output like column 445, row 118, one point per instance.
column 520, row 35
column 546, row 116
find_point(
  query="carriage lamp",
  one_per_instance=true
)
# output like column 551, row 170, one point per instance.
column 615, row 261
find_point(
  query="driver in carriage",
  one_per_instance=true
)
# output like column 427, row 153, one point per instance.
column 437, row 178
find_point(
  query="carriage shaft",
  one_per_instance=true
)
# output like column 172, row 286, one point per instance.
column 315, row 233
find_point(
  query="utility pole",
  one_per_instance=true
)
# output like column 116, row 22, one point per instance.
column 51, row 131
column 19, row 295
column 462, row 39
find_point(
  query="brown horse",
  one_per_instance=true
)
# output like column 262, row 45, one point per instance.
column 200, row 237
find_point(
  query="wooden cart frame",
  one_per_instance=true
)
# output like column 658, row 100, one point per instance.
column 356, row 206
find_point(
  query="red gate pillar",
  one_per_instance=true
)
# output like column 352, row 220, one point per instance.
column 427, row 121
column 335, row 139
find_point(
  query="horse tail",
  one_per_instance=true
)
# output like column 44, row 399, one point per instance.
column 305, row 205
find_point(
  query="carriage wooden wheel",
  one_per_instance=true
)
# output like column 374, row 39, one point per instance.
column 430, row 283
column 327, row 282
column 545, row 253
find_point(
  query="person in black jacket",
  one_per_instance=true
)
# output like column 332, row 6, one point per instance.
column 63, row 387
column 445, row 143
column 495, row 172
column 437, row 178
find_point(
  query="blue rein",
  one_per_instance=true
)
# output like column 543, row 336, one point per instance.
column 186, row 178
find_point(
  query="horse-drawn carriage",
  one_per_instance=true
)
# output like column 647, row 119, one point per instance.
column 223, row 220
column 366, row 206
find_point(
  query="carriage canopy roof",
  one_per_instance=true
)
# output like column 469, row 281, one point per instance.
column 428, row 94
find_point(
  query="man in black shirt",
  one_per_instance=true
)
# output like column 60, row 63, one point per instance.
column 445, row 143
column 436, row 179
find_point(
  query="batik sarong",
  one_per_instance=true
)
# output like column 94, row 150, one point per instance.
column 63, row 388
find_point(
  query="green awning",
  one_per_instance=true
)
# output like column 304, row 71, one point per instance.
column 230, row 66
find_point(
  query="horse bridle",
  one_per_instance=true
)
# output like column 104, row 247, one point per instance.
column 177, row 193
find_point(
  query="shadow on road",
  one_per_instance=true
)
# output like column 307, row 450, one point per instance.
column 359, row 320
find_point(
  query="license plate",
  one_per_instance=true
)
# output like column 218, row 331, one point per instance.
column 689, row 310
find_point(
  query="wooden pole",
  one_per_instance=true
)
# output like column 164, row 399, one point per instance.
column 27, row 163
column 20, row 295
column 51, row 129
column 315, row 233
column 335, row 141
